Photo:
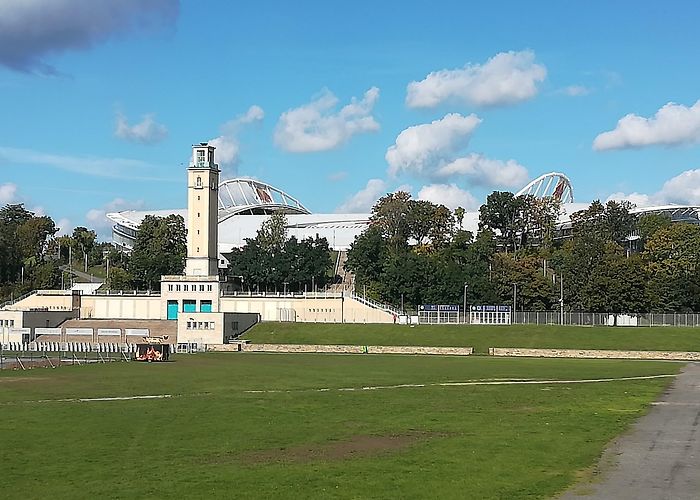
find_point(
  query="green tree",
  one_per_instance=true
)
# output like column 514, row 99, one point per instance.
column 503, row 214
column 120, row 279
column 672, row 256
column 390, row 215
column 160, row 249
column 84, row 240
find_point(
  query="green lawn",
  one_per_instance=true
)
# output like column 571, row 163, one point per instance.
column 480, row 337
column 212, row 439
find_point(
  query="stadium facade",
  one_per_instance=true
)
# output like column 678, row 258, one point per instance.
column 244, row 204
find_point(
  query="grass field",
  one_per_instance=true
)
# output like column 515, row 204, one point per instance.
column 481, row 337
column 214, row 438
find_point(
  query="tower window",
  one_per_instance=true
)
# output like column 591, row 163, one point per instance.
column 197, row 197
column 197, row 214
column 199, row 182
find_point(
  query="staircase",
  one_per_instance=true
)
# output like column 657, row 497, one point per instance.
column 346, row 277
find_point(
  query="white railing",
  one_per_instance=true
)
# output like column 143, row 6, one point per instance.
column 292, row 295
column 375, row 305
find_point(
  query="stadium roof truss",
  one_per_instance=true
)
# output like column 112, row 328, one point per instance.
column 249, row 196
column 554, row 184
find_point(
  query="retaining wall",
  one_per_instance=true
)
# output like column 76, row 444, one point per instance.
column 593, row 353
column 343, row 349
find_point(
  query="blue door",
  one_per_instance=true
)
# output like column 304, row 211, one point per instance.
column 172, row 309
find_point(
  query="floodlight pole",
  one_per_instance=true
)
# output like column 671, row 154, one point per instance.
column 464, row 309
column 561, row 298
column 515, row 296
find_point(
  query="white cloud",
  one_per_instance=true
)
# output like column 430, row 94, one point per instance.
column 316, row 127
column 506, row 78
column 147, row 131
column 576, row 90
column 96, row 218
column 338, row 176
column 32, row 29
column 639, row 199
column 449, row 195
column 8, row 193
column 117, row 168
column 227, row 144
column 683, row 189
column 363, row 200
column 673, row 124
column 433, row 150
column 65, row 227
column 227, row 150
column 420, row 148
column 485, row 171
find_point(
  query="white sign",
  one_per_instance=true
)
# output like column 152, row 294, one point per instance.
column 47, row 331
column 114, row 332
column 78, row 331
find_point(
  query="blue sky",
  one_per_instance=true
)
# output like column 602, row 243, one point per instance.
column 338, row 103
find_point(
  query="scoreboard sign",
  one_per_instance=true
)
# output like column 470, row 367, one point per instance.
column 438, row 313
column 490, row 315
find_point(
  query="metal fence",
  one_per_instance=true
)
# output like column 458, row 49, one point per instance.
column 18, row 355
column 574, row 318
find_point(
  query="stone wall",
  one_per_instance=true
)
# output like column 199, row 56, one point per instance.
column 592, row 353
column 344, row 349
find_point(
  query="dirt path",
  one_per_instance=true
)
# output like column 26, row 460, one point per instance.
column 660, row 457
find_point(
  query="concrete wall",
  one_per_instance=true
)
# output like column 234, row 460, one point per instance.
column 320, row 310
column 120, row 307
column 194, row 333
column 10, row 320
column 53, row 300
column 592, row 353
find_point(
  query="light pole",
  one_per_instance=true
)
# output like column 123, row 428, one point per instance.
column 561, row 299
column 285, row 288
column 515, row 296
column 464, row 309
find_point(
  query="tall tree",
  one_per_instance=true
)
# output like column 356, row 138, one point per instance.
column 390, row 216
column 160, row 249
column 503, row 213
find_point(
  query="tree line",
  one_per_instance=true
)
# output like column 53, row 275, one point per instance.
column 413, row 252
column 610, row 260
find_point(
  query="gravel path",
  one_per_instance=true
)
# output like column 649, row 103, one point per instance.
column 660, row 457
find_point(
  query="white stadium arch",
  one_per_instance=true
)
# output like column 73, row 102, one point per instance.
column 554, row 184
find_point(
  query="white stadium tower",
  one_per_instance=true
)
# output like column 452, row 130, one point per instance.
column 245, row 203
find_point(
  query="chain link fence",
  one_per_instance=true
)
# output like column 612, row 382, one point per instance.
column 574, row 318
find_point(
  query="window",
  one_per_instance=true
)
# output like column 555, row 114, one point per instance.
column 189, row 325
column 206, row 325
column 199, row 325
column 177, row 288
column 208, row 288
column 170, row 288
column 201, row 288
column 198, row 249
column 199, row 182
column 189, row 306
column 197, row 197
column 197, row 231
column 197, row 214
column 211, row 325
column 205, row 306
column 186, row 288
